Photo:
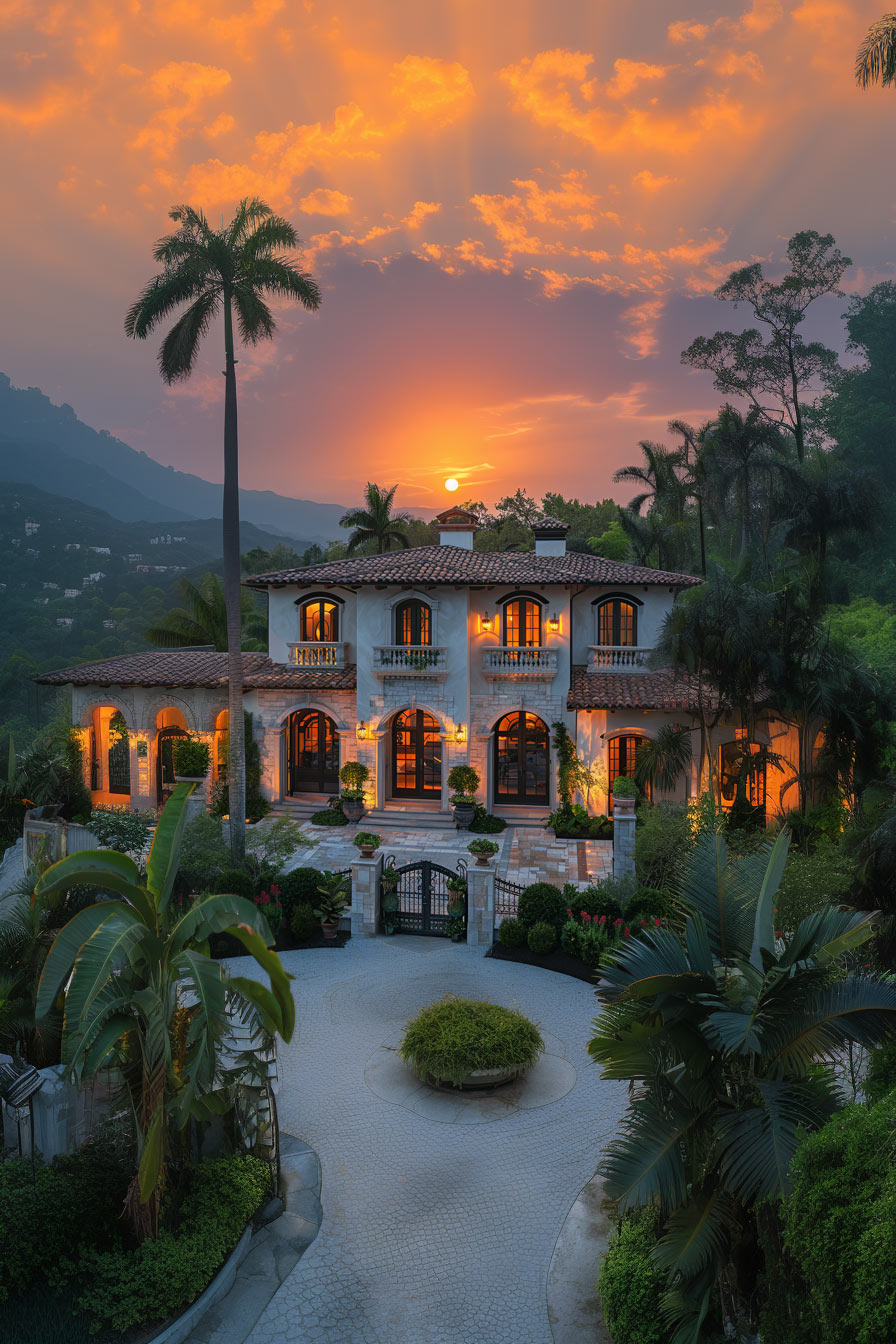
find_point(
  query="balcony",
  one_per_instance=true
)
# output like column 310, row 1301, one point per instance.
column 410, row 660
column 618, row 658
column 513, row 662
column 315, row 653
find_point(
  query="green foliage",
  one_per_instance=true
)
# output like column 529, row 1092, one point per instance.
column 257, row 806
column 649, row 905
column 354, row 776
column 512, row 933
column 484, row 823
column 375, row 526
column 71, row 1202
column 203, row 855
column 303, row 921
column 573, row 822
column 663, row 840
column 483, row 847
column 203, row 618
column 609, row 897
column 298, row 886
column 812, row 881
column 630, row 1284
column 333, row 896
column 463, row 780
column 329, row 816
column 840, row 1224
column 120, row 828
column 128, row 1288
column 542, row 939
column 449, row 1039
column 569, row 937
column 239, row 882
column 542, row 902
column 269, row 847
column 591, row 943
column 880, row 1079
column 624, row 787
column 566, row 762
column 191, row 757
column 369, row 839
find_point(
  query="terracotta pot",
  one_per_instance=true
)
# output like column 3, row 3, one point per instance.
column 483, row 860
column 330, row 929
column 367, row 851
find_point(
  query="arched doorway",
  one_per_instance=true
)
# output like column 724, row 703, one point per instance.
column 312, row 753
column 416, row 755
column 522, row 759
column 623, row 758
column 119, row 755
column 171, row 725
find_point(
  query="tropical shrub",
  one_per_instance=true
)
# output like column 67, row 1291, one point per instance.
column 630, row 1284
column 329, row 816
column 880, row 1078
column 569, row 937
column 120, row 828
column 128, row 1288
column 369, row 839
column 664, row 839
column 542, row 939
column 191, row 757
column 269, row 847
column 648, row 905
column 840, row 1224
column 542, row 903
column 449, row 1039
column 811, row 881
column 624, row 787
column 571, row 821
column 718, row 1032
column 303, row 921
column 298, row 886
column 240, row 882
column 257, row 806
column 484, row 823
column 592, row 942
column 333, row 896
column 512, row 933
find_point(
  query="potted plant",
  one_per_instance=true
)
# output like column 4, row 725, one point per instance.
column 332, row 900
column 191, row 760
column 625, row 791
column 456, row 923
column 463, row 780
column 389, row 909
column 483, row 850
column 354, row 776
column 367, row 842
column 463, row 1044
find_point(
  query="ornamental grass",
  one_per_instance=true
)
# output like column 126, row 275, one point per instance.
column 450, row 1039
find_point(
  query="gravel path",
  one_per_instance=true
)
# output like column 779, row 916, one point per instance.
column 433, row 1232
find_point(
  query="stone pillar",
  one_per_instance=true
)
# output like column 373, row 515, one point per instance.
column 623, row 837
column 480, row 905
column 365, row 912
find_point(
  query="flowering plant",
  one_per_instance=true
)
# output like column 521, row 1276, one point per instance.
column 270, row 904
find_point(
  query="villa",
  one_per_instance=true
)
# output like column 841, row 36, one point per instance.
column 417, row 660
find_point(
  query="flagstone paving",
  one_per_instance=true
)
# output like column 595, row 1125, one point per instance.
column 432, row 1232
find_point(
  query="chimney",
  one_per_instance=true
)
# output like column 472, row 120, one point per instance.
column 456, row 527
column 550, row 536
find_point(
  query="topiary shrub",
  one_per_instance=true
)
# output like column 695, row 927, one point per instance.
column 542, row 939
column 452, row 1038
column 237, row 882
column 648, row 905
column 624, row 787
column 463, row 781
column 542, row 903
column 303, row 921
column 630, row 1285
column 130, row 1288
column 191, row 757
column 512, row 933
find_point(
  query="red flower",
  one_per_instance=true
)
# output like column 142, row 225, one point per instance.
column 657, row 923
column 627, row 931
column 264, row 899
column 643, row 923
column 616, row 923
column 602, row 920
column 275, row 891
column 569, row 912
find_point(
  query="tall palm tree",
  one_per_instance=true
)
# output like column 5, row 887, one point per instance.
column 376, row 522
column 217, row 271
column 203, row 618
column 876, row 57
column 743, row 452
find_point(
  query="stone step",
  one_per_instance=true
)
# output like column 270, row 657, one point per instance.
column 411, row 819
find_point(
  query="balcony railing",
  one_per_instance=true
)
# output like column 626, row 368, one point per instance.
column 315, row 653
column 409, row 660
column 618, row 658
column 517, row 661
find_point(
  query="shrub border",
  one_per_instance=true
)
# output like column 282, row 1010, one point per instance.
column 220, row 1286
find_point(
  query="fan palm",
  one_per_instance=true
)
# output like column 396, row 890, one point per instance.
column 135, row 966
column 203, row 619
column 741, row 453
column 719, row 1030
column 663, row 759
column 214, row 271
column 876, row 57
column 376, row 523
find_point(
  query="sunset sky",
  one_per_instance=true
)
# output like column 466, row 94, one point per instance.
column 517, row 211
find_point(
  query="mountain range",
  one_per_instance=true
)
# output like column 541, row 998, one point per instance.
column 42, row 443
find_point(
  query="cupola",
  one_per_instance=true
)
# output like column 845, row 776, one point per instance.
column 456, row 527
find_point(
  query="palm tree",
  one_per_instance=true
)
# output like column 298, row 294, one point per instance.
column 203, row 619
column 218, row 271
column 376, row 522
column 663, row 759
column 719, row 1031
column 876, row 57
column 742, row 453
column 136, row 968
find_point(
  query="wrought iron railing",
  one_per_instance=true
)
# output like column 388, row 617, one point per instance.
column 507, row 899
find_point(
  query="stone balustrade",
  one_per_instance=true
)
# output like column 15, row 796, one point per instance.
column 517, row 661
column 316, row 653
column 617, row 658
column 409, row 660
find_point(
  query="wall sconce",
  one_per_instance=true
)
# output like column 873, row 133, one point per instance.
column 486, row 620
column 361, row 730
column 554, row 623
column 460, row 732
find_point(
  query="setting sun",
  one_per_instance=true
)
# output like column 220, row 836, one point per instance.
column 451, row 484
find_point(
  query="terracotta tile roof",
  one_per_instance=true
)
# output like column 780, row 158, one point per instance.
column 662, row 689
column 193, row 667
column 458, row 566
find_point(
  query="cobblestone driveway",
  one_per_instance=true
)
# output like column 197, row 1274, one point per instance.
column 432, row 1233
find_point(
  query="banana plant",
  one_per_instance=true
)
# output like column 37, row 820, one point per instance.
column 133, row 968
column 720, row 1030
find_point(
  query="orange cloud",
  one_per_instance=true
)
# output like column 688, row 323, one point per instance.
column 324, row 201
column 627, row 75
column 441, row 90
column 236, row 30
column 649, row 182
column 183, row 86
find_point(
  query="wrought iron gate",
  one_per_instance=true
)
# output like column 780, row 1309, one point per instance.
column 423, row 898
column 120, row 766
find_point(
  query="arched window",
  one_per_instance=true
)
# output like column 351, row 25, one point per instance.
column 623, row 755
column 319, row 621
column 522, row 622
column 617, row 623
column 522, row 759
column 413, row 623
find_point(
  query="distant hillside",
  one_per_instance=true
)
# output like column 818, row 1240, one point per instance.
column 42, row 442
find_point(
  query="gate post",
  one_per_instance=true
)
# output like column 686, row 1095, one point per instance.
column 365, row 913
column 480, row 906
column 623, row 837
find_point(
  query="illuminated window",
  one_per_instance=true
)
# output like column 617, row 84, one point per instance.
column 413, row 624
column 319, row 622
column 522, row 623
column 522, row 759
column 617, row 623
column 623, row 755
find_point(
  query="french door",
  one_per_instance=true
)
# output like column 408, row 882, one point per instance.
column 522, row 759
column 416, row 755
column 312, row 757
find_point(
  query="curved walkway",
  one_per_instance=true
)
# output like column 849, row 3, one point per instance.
column 432, row 1232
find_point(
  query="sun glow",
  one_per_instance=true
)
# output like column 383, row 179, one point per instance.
column 451, row 484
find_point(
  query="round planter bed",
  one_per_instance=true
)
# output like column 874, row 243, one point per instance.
column 463, row 1045
column 476, row 1080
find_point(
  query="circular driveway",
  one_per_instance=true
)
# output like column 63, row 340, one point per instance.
column 432, row 1232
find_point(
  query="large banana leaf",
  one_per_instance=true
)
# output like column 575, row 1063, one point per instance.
column 104, row 953
column 67, row 945
column 215, row 914
column 279, row 978
column 161, row 866
column 209, row 1021
column 103, row 868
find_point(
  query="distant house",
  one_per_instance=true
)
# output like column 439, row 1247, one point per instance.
column 50, row 585
column 42, row 601
column 73, row 592
column 133, row 557
column 32, row 551
column 63, row 620
column 93, row 578
column 73, row 546
column 31, row 527
column 100, row 550
column 109, row 625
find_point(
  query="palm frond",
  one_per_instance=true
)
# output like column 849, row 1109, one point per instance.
column 697, row 1235
column 876, row 57
column 255, row 320
column 644, row 1164
column 161, row 296
column 180, row 347
column 857, row 1008
column 757, row 1144
column 250, row 210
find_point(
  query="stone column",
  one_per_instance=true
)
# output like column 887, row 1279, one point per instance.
column 623, row 837
column 365, row 912
column 480, row 905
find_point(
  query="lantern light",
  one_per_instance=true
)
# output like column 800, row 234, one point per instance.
column 486, row 620
column 361, row 730
column 460, row 732
column 554, row 623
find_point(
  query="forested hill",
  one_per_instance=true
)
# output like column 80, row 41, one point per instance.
column 41, row 442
